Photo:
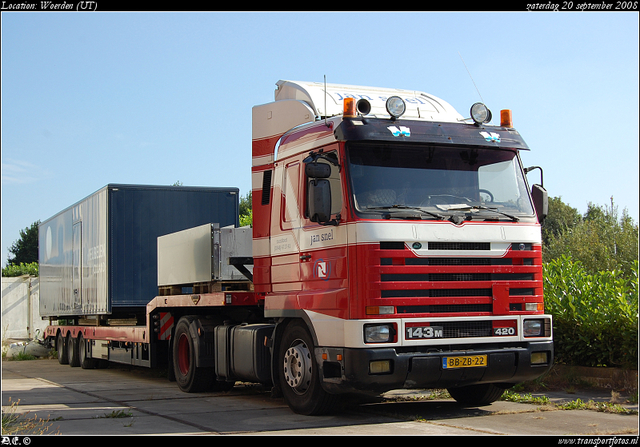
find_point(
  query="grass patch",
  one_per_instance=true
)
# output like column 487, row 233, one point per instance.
column 603, row 407
column 578, row 404
column 14, row 423
column 527, row 398
column 117, row 414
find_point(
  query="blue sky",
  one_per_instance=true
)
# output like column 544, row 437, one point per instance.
column 154, row 98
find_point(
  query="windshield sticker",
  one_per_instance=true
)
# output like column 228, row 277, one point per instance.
column 491, row 136
column 400, row 132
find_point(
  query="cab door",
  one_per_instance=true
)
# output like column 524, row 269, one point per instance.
column 285, row 229
column 323, row 251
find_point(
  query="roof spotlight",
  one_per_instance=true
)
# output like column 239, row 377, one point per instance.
column 480, row 113
column 396, row 107
column 363, row 106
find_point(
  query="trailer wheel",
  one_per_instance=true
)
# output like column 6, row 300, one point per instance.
column 72, row 350
column 190, row 378
column 482, row 394
column 61, row 347
column 85, row 362
column 298, row 373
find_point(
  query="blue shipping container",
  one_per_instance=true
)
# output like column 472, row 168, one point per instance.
column 101, row 253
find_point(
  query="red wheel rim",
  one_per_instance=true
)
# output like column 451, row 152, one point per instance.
column 184, row 355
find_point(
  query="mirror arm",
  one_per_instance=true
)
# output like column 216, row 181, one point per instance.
column 335, row 222
column 314, row 156
column 531, row 168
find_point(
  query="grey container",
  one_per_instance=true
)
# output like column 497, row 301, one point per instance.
column 201, row 254
column 101, row 253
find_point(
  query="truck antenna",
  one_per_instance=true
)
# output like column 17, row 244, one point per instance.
column 325, row 101
column 474, row 82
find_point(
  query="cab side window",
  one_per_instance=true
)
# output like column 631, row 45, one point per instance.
column 328, row 173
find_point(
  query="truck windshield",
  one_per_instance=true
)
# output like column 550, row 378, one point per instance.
column 428, row 181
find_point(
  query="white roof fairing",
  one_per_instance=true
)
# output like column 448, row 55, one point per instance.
column 419, row 104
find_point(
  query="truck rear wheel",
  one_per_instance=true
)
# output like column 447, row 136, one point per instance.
column 61, row 347
column 482, row 394
column 72, row 350
column 190, row 378
column 298, row 373
column 85, row 362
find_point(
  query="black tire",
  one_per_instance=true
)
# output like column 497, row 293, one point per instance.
column 299, row 375
column 85, row 362
column 61, row 347
column 72, row 351
column 189, row 378
column 474, row 395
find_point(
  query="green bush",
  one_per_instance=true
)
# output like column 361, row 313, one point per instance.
column 22, row 269
column 595, row 316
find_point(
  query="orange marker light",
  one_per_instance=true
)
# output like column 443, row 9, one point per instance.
column 505, row 118
column 349, row 108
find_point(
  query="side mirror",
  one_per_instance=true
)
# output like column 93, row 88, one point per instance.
column 319, row 200
column 317, row 170
column 540, row 201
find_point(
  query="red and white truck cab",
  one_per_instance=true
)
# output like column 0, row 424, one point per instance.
column 396, row 243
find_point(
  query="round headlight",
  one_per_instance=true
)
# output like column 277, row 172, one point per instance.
column 480, row 113
column 396, row 106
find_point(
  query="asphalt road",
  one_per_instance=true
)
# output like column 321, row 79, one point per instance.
column 135, row 401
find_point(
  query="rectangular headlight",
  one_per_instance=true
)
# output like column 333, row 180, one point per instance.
column 378, row 333
column 533, row 328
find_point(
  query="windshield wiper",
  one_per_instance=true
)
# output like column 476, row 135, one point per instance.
column 484, row 208
column 400, row 208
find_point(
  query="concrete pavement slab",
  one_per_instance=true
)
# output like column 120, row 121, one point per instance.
column 78, row 401
column 554, row 423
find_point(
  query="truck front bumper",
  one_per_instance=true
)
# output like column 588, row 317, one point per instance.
column 383, row 369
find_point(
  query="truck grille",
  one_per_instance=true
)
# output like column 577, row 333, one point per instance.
column 454, row 283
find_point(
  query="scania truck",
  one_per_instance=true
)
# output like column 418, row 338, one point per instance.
column 395, row 244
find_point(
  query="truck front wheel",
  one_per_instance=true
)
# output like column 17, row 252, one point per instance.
column 482, row 394
column 298, row 373
column 190, row 378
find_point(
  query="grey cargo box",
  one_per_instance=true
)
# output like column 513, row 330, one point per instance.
column 100, row 254
column 202, row 254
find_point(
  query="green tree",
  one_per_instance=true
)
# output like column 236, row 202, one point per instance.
column 600, row 240
column 246, row 211
column 22, row 269
column 561, row 218
column 25, row 249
